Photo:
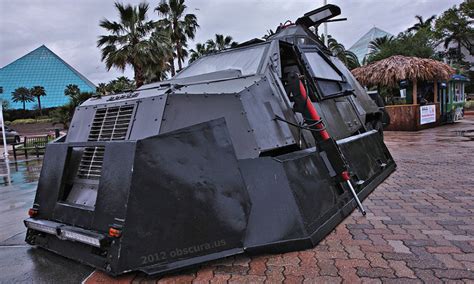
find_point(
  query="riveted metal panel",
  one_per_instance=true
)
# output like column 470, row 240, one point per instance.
column 81, row 124
column 186, row 110
column 261, row 105
column 147, row 121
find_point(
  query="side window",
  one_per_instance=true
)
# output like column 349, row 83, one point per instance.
column 321, row 68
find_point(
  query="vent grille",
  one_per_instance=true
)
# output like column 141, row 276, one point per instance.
column 91, row 163
column 110, row 124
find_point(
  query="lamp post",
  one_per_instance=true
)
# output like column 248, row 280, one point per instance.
column 5, row 149
column 325, row 2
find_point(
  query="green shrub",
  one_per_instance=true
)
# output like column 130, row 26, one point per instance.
column 468, row 105
column 30, row 121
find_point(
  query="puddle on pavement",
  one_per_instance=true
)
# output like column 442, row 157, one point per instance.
column 23, row 173
column 469, row 133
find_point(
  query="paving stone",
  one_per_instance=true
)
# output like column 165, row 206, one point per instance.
column 454, row 273
column 427, row 276
column 444, row 250
column 246, row 279
column 274, row 274
column 234, row 269
column 323, row 279
column 401, row 269
column 449, row 261
column 204, row 275
column 375, row 272
column 398, row 246
column 376, row 260
column 401, row 280
column 327, row 267
column 220, row 279
column 258, row 266
column 419, row 243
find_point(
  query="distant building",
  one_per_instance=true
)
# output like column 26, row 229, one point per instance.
column 361, row 47
column 41, row 67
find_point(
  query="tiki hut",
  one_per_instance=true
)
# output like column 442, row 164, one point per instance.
column 413, row 72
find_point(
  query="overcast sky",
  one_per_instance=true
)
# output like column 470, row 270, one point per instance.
column 70, row 27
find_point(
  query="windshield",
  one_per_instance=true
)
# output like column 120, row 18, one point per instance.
column 246, row 60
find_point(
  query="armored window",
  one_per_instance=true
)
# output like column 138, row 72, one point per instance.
column 321, row 68
column 245, row 60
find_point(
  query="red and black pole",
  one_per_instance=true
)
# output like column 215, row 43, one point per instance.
column 314, row 116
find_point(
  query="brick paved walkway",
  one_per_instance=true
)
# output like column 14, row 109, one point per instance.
column 419, row 226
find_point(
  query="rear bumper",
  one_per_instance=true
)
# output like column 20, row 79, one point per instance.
column 67, row 233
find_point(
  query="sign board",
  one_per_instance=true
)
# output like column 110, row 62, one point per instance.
column 427, row 114
column 403, row 93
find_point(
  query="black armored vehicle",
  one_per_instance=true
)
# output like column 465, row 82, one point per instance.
column 261, row 148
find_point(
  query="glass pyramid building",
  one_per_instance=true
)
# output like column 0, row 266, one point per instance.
column 361, row 47
column 41, row 67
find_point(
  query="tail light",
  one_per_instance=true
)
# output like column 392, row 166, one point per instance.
column 32, row 212
column 115, row 233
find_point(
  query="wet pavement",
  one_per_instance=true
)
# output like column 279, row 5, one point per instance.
column 18, row 261
column 419, row 227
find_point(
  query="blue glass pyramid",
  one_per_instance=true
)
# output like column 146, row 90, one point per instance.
column 361, row 47
column 41, row 67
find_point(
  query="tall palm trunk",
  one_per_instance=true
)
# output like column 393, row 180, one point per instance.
column 39, row 106
column 173, row 71
column 178, row 55
column 139, row 79
column 24, row 107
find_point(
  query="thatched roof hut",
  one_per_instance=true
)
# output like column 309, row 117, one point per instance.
column 390, row 71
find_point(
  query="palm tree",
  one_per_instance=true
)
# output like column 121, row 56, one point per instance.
column 221, row 42
column 163, row 51
column 22, row 95
column 127, row 42
column 179, row 25
column 377, row 44
column 73, row 92
column 200, row 50
column 347, row 57
column 102, row 89
column 422, row 24
column 38, row 92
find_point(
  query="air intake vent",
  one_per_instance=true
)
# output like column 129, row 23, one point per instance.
column 110, row 124
column 91, row 163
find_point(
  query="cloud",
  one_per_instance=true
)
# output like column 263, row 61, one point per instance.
column 70, row 27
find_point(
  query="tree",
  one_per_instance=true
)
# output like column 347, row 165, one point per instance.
column 200, row 50
column 62, row 115
column 38, row 92
column 102, row 89
column 338, row 49
column 419, row 44
column 455, row 25
column 73, row 92
column 120, row 85
column 180, row 27
column 22, row 95
column 220, row 42
column 422, row 24
column 128, row 42
column 76, row 96
column 377, row 44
